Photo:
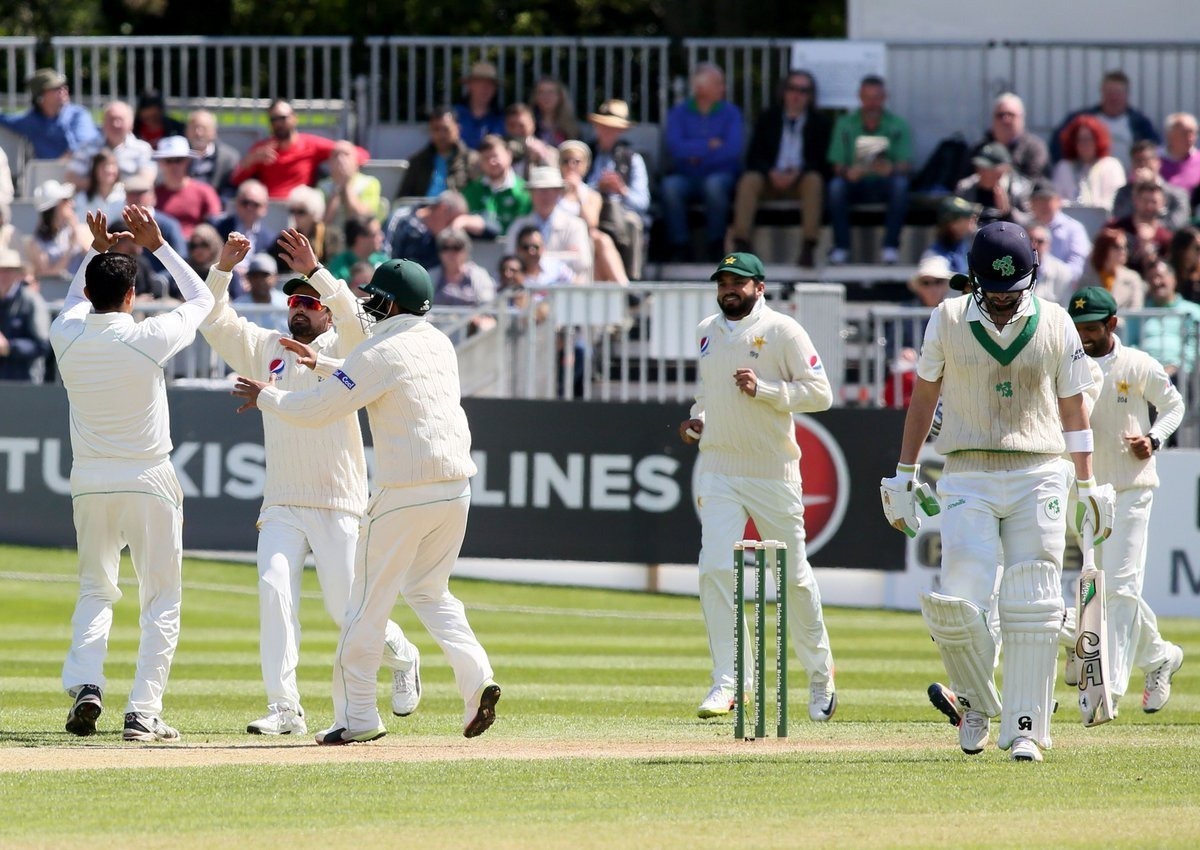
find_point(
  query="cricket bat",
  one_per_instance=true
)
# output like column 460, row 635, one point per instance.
column 1091, row 643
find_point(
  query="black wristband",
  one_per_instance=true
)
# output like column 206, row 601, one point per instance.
column 315, row 269
column 1155, row 443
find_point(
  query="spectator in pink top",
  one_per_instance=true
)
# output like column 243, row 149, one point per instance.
column 188, row 200
column 1181, row 160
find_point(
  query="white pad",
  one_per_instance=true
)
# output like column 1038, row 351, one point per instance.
column 1031, row 618
column 967, row 649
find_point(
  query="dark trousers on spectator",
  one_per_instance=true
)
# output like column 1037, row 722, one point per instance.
column 892, row 191
column 715, row 191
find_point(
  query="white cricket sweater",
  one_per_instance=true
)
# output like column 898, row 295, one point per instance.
column 406, row 375
column 754, row 436
column 322, row 467
column 112, row 368
column 1133, row 380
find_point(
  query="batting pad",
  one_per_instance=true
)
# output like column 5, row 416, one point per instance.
column 1031, row 618
column 967, row 649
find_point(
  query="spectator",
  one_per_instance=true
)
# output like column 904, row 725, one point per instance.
column 1181, row 160
column 101, row 188
column 445, row 163
column 306, row 206
column 360, row 275
column 704, row 148
column 6, row 182
column 1125, row 124
column 152, row 124
column 364, row 243
column 458, row 281
column 479, row 112
column 527, row 149
column 929, row 287
column 619, row 173
column 116, row 134
column 348, row 192
column 554, row 116
column 54, row 126
column 1148, row 239
column 141, row 192
column 1030, row 158
column 188, row 201
column 215, row 161
column 537, row 268
column 289, row 158
column 1068, row 238
column 9, row 237
column 1184, row 257
column 1055, row 281
column 203, row 251
column 787, row 158
column 870, row 153
column 261, row 272
column 148, row 284
column 412, row 233
column 957, row 220
column 1088, row 175
column 1107, row 268
column 249, row 211
column 1147, row 165
column 564, row 234
column 511, row 273
column 499, row 196
column 1171, row 340
column 582, row 200
column 24, row 324
column 60, row 240
column 1000, row 191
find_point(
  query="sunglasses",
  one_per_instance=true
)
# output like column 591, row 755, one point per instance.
column 174, row 160
column 454, row 246
column 529, row 246
column 246, row 202
column 274, row 118
column 192, row 246
column 304, row 302
column 298, row 211
column 800, row 89
column 1004, row 114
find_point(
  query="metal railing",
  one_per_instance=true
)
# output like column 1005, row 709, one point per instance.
column 18, row 61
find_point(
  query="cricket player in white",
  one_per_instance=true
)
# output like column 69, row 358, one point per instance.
column 407, row 377
column 123, row 488
column 1011, row 373
column 1125, row 447
column 316, row 485
column 757, row 368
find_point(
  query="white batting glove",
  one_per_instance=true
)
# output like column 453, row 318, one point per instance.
column 902, row 495
column 1098, row 505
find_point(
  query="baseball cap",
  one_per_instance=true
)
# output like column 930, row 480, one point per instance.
column 262, row 264
column 405, row 283
column 992, row 155
column 952, row 207
column 1092, row 304
column 44, row 79
column 1043, row 188
column 1002, row 258
column 741, row 263
column 293, row 283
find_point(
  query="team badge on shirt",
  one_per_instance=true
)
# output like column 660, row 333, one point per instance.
column 1122, row 391
column 757, row 345
column 344, row 378
column 276, row 367
column 703, row 345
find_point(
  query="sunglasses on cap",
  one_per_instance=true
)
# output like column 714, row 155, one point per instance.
column 304, row 302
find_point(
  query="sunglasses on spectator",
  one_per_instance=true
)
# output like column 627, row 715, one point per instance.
column 247, row 202
column 800, row 89
column 304, row 302
column 192, row 246
column 274, row 118
column 1004, row 114
column 298, row 211
column 452, row 246
column 529, row 246
column 175, row 160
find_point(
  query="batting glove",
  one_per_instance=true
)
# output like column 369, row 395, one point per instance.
column 1097, row 508
column 902, row 495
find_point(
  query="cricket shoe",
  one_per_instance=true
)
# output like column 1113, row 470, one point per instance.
column 1158, row 681
column 406, row 689
column 718, row 703
column 1071, row 668
column 973, row 726
column 81, row 719
column 280, row 720
column 1025, row 749
column 481, row 711
column 822, row 700
column 148, row 728
column 341, row 735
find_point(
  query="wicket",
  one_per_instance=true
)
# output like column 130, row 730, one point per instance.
column 762, row 550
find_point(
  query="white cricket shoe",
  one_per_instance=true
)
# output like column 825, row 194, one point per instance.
column 406, row 689
column 822, row 700
column 1071, row 668
column 147, row 728
column 973, row 726
column 280, row 720
column 1025, row 749
column 1158, row 681
column 718, row 703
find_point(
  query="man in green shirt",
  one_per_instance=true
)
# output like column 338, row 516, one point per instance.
column 364, row 243
column 870, row 153
column 500, row 196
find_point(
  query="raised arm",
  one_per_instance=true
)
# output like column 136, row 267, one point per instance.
column 351, row 327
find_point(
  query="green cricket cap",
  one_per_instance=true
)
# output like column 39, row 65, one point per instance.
column 1092, row 304
column 741, row 263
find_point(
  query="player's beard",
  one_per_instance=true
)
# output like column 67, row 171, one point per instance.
column 736, row 306
column 301, row 326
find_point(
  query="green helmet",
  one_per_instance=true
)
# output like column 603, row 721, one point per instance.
column 405, row 283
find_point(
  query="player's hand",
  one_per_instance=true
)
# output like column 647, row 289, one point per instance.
column 306, row 355
column 901, row 496
column 298, row 252
column 102, row 240
column 1140, row 446
column 1098, row 506
column 143, row 228
column 690, row 431
column 746, row 381
column 249, row 389
column 235, row 249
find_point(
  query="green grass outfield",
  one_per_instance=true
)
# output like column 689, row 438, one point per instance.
column 596, row 744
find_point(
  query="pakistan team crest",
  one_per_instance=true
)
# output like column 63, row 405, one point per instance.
column 1054, row 508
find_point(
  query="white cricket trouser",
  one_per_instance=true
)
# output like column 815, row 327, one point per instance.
column 408, row 544
column 1133, row 636
column 725, row 502
column 286, row 535
column 142, row 509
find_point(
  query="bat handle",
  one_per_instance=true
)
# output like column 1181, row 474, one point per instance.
column 1086, row 537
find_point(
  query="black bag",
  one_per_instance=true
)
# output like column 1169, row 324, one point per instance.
column 949, row 163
